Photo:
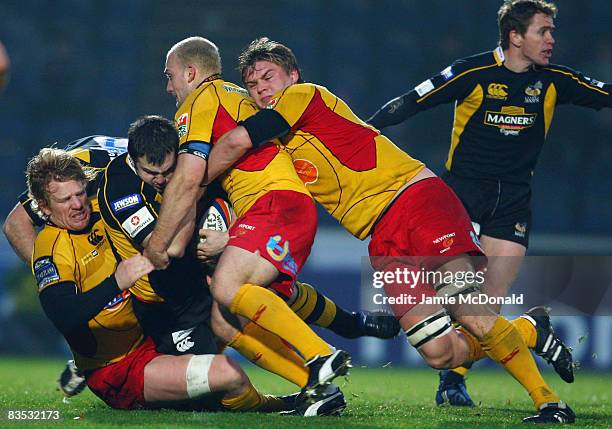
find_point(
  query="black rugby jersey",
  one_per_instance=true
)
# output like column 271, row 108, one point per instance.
column 501, row 117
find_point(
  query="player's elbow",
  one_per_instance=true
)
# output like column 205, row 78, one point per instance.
column 238, row 140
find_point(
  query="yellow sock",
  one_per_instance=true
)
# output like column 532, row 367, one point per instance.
column 504, row 344
column 313, row 307
column 269, row 352
column 270, row 312
column 461, row 370
column 252, row 400
column 527, row 331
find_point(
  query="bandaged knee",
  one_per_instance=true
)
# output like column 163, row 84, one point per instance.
column 197, row 375
column 434, row 326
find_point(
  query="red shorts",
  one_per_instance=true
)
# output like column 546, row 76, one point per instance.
column 424, row 228
column 281, row 225
column 121, row 384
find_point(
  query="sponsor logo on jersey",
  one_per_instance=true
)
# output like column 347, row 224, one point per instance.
column 280, row 253
column 447, row 73
column 137, row 222
column 446, row 241
column 533, row 92
column 511, row 120
column 594, row 82
column 520, row 229
column 497, row 91
column 424, row 87
column 181, row 124
column 306, row 171
column 237, row 89
column 45, row 272
column 125, row 202
column 113, row 304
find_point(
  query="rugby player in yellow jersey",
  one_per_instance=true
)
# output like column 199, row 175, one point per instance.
column 415, row 221
column 85, row 293
column 272, row 237
column 20, row 225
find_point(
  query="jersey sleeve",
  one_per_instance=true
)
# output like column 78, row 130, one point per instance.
column 195, row 125
column 132, row 206
column 53, row 260
column 575, row 88
column 455, row 82
column 31, row 207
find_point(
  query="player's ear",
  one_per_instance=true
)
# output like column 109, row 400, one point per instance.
column 515, row 38
column 42, row 206
column 294, row 75
column 191, row 72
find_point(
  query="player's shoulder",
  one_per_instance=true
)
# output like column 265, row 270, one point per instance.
column 50, row 240
column 120, row 178
column 96, row 151
column 476, row 63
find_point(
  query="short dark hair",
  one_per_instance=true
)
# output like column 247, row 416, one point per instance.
column 516, row 15
column 264, row 49
column 153, row 137
column 52, row 164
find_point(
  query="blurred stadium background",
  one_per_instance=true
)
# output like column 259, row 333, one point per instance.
column 91, row 67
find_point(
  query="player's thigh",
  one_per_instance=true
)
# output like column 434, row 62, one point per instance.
column 236, row 267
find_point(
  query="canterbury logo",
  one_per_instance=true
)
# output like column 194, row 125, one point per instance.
column 497, row 91
column 258, row 313
column 185, row 345
column 509, row 357
column 94, row 238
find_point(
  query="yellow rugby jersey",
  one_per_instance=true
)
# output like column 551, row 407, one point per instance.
column 211, row 110
column 85, row 258
column 347, row 165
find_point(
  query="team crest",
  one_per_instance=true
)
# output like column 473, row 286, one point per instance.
column 520, row 229
column 533, row 92
column 272, row 103
column 181, row 124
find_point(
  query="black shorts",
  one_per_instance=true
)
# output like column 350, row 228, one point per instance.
column 186, row 333
column 501, row 209
column 180, row 324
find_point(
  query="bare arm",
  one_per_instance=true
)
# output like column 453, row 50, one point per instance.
column 20, row 232
column 181, row 240
column 229, row 149
column 180, row 197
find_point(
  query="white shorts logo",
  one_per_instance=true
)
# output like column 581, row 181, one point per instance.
column 182, row 340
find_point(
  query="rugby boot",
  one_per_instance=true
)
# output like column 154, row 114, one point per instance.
column 379, row 324
column 72, row 380
column 548, row 345
column 322, row 370
column 553, row 412
column 330, row 402
column 452, row 390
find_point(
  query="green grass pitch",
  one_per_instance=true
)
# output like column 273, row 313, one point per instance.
column 377, row 398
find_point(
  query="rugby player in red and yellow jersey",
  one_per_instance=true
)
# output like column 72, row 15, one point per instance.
column 373, row 188
column 84, row 292
column 273, row 235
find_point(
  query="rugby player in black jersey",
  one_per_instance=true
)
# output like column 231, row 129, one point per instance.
column 505, row 101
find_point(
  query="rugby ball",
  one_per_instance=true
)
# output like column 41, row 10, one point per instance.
column 218, row 216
